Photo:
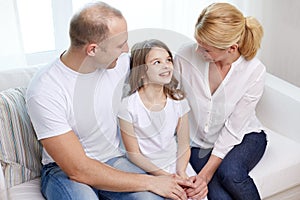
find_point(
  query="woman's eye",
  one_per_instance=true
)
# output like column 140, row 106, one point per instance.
column 169, row 60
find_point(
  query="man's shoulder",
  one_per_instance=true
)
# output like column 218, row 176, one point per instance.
column 44, row 81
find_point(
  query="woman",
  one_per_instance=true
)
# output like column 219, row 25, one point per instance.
column 224, row 81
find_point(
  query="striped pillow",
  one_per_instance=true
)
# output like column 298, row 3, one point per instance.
column 20, row 151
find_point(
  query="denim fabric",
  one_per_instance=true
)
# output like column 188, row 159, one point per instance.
column 56, row 185
column 232, row 180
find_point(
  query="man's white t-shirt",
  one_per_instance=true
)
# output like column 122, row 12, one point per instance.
column 60, row 100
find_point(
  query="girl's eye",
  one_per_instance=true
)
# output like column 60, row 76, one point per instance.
column 169, row 60
column 156, row 62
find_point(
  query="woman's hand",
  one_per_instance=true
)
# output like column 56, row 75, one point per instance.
column 199, row 189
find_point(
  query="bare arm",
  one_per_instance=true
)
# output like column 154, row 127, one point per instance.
column 68, row 153
column 133, row 150
column 184, row 152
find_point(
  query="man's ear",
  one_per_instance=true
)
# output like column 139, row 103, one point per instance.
column 91, row 49
column 233, row 48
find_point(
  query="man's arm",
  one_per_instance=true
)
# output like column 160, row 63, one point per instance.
column 68, row 153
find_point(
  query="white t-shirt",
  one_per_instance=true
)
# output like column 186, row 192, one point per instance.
column 60, row 99
column 221, row 120
column 155, row 131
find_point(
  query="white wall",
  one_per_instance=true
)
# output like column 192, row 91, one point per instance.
column 281, row 43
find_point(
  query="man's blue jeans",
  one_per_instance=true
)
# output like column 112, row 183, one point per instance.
column 232, row 180
column 57, row 186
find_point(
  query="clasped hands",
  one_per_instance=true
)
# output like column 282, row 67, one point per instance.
column 194, row 187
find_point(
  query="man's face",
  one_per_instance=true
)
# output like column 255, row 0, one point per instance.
column 111, row 48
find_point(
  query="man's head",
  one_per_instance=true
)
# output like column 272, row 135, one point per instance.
column 102, row 31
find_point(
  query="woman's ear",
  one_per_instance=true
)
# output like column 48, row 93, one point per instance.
column 91, row 49
column 233, row 48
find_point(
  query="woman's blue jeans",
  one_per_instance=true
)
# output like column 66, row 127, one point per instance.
column 232, row 180
column 57, row 186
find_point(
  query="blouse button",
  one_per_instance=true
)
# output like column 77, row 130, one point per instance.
column 206, row 128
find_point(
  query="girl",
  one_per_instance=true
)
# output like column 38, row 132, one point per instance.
column 154, row 119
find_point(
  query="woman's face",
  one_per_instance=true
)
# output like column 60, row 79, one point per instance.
column 159, row 66
column 211, row 54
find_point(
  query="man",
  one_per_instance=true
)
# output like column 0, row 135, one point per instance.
column 71, row 104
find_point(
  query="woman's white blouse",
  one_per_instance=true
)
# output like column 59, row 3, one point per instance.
column 221, row 120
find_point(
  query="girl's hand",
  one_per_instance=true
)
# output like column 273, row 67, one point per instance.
column 199, row 189
column 170, row 186
column 182, row 174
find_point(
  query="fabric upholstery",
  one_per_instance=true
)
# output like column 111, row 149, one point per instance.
column 20, row 151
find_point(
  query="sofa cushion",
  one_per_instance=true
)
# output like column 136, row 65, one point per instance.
column 20, row 152
column 278, row 169
column 30, row 190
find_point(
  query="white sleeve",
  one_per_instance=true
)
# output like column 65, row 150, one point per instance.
column 185, row 108
column 124, row 110
column 48, row 116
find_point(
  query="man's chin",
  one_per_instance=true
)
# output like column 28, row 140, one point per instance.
column 112, row 65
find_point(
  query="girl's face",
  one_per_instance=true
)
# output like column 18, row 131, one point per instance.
column 159, row 66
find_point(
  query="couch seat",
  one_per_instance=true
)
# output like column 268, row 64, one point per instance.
column 279, row 168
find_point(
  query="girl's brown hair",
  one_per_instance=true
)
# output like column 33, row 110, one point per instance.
column 221, row 25
column 138, row 67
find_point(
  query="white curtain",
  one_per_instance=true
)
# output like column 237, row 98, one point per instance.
column 11, row 49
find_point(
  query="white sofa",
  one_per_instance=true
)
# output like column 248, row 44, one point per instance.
column 277, row 175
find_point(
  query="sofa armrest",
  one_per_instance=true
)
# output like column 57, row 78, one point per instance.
column 3, row 190
column 279, row 108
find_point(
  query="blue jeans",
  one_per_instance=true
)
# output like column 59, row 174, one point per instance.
column 56, row 185
column 232, row 180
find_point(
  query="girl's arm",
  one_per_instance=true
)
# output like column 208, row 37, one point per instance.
column 183, row 151
column 133, row 150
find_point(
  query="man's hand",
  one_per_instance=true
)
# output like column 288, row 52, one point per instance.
column 170, row 186
column 199, row 189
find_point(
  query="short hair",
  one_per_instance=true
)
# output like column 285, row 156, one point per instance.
column 221, row 25
column 90, row 24
column 138, row 67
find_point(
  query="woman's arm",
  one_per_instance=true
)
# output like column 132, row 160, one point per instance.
column 133, row 150
column 183, row 151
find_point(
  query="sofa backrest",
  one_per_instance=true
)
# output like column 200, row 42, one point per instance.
column 279, row 108
column 20, row 77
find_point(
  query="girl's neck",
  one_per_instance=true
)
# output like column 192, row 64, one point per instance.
column 153, row 97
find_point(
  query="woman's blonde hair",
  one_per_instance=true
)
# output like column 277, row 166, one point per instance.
column 138, row 67
column 221, row 25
